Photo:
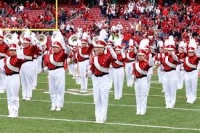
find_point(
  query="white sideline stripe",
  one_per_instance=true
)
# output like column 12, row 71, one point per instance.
column 107, row 123
column 116, row 105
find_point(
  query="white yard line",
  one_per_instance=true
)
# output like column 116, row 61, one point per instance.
column 125, row 94
column 108, row 123
column 115, row 105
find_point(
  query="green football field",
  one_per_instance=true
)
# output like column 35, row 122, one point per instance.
column 77, row 115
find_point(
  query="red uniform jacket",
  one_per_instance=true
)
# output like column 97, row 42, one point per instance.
column 84, row 53
column 100, row 64
column 190, row 63
column 130, row 56
column 141, row 68
column 29, row 52
column 169, row 63
column 55, row 60
column 12, row 65
column 119, row 62
column 182, row 56
column 3, row 50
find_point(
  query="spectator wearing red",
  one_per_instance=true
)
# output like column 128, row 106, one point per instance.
column 27, row 4
column 160, row 2
column 165, row 12
column 34, row 5
column 44, row 5
column 127, row 36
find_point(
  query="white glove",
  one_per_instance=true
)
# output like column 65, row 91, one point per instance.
column 109, row 47
column 45, row 69
column 67, row 49
column 123, row 54
column 20, row 53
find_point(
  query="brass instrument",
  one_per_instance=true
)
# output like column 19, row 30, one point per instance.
column 7, row 38
column 42, row 39
column 73, row 40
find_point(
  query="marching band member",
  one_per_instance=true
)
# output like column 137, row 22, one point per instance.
column 35, row 60
column 100, row 68
column 55, row 64
column 111, row 76
column 182, row 54
column 130, row 58
column 144, row 44
column 140, row 71
column 11, row 68
column 158, row 58
column 3, row 53
column 70, row 61
column 191, row 73
column 169, row 63
column 83, row 55
column 118, row 70
column 28, row 67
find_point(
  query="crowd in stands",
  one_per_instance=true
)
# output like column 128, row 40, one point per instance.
column 148, row 20
column 28, row 15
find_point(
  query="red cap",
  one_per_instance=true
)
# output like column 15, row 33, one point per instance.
column 110, row 43
column 13, row 47
column 170, row 47
column 191, row 49
column 57, row 44
column 131, row 47
column 141, row 52
column 84, row 41
column 100, row 43
column 118, row 47
column 26, row 40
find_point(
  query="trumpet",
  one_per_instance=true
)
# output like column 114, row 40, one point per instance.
column 8, row 38
column 73, row 40
column 42, row 39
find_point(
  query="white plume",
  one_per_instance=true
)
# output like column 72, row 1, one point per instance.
column 118, row 42
column 15, row 38
column 27, row 33
column 131, row 42
column 171, row 40
column 143, row 43
column 103, row 35
column 59, row 38
column 192, row 43
column 160, row 43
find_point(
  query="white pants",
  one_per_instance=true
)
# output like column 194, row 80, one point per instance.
column 35, row 61
column 71, row 69
column 2, row 77
column 57, row 87
column 181, row 76
column 141, row 91
column 83, row 67
column 129, row 75
column 191, row 81
column 101, row 96
column 111, row 77
column 27, row 78
column 149, row 76
column 118, row 74
column 12, row 90
column 160, row 74
column 76, row 74
column 39, row 61
column 170, row 87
